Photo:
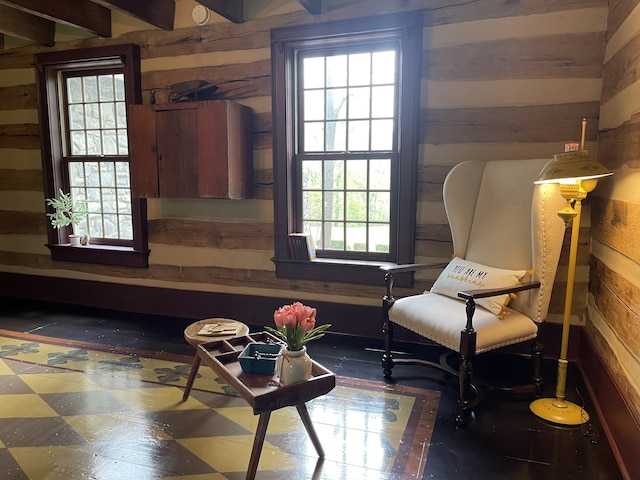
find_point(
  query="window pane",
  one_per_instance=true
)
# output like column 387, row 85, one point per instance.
column 334, row 236
column 337, row 71
column 107, row 93
column 76, row 117
column 74, row 90
column 90, row 86
column 357, row 237
column 109, row 142
column 383, row 67
column 121, row 115
column 76, row 174
column 333, row 206
column 126, row 227
column 123, row 142
column 379, row 206
column 312, row 174
column 336, row 137
column 359, row 102
column 313, row 72
column 380, row 174
column 92, row 174
column 107, row 174
column 358, row 135
column 314, row 105
column 379, row 235
column 94, row 143
column 95, row 225
column 333, row 175
column 360, row 69
column 109, row 200
column 314, row 137
column 382, row 135
column 122, row 174
column 357, row 206
column 357, row 174
column 336, row 104
column 107, row 115
column 383, row 102
column 92, row 115
column 124, row 201
column 312, row 205
column 118, row 80
column 78, row 143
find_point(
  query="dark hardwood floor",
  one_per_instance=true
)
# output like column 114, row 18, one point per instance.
column 503, row 440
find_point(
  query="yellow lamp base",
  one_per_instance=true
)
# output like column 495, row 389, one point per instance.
column 559, row 411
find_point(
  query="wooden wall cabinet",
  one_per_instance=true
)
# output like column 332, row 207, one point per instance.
column 191, row 150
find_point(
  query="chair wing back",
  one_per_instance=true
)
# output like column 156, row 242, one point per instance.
column 500, row 218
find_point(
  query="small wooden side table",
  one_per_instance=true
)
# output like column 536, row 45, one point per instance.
column 263, row 392
column 192, row 337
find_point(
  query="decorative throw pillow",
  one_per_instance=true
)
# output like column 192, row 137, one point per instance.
column 462, row 275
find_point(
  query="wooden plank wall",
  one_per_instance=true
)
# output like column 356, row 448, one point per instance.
column 501, row 79
column 613, row 321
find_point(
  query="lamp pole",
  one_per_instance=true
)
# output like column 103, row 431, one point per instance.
column 559, row 410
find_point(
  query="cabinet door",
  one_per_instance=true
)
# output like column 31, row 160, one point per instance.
column 178, row 154
column 142, row 151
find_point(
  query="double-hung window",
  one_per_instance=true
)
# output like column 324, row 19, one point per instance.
column 346, row 133
column 84, row 96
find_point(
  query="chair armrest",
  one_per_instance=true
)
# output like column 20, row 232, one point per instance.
column 407, row 267
column 410, row 267
column 492, row 292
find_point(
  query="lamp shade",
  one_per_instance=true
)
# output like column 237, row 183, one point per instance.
column 572, row 166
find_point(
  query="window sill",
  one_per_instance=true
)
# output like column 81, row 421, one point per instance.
column 100, row 254
column 343, row 271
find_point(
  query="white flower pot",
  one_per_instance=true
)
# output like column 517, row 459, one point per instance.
column 295, row 366
column 74, row 240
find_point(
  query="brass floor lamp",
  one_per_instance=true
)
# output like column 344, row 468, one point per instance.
column 577, row 175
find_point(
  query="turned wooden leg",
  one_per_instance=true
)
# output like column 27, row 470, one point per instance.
column 192, row 377
column 536, row 361
column 465, row 373
column 387, row 358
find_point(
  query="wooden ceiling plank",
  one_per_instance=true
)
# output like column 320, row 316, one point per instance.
column 232, row 10
column 84, row 14
column 159, row 13
column 28, row 27
column 314, row 7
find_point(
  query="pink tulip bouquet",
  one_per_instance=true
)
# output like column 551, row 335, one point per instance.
column 296, row 325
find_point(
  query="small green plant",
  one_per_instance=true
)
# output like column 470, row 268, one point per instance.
column 67, row 211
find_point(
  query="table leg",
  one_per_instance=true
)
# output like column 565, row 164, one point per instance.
column 258, row 441
column 192, row 377
column 306, row 420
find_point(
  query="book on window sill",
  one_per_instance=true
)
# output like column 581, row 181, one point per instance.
column 301, row 246
column 217, row 330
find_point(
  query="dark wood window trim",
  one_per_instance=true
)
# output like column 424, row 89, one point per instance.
column 47, row 67
column 285, row 43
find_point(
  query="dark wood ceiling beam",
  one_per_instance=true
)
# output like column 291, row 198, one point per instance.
column 159, row 13
column 80, row 13
column 232, row 10
column 314, row 7
column 28, row 27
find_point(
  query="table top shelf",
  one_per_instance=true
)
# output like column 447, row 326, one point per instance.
column 262, row 392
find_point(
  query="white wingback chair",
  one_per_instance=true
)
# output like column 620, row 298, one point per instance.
column 507, row 239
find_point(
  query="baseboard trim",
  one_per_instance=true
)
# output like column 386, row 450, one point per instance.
column 620, row 425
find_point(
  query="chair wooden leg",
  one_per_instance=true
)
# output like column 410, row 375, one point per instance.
column 465, row 374
column 536, row 360
column 387, row 358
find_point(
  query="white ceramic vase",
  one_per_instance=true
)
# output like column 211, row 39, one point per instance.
column 295, row 366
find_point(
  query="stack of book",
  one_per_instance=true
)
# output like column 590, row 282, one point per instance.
column 301, row 246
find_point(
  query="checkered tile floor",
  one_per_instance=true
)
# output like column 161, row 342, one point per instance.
column 71, row 412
